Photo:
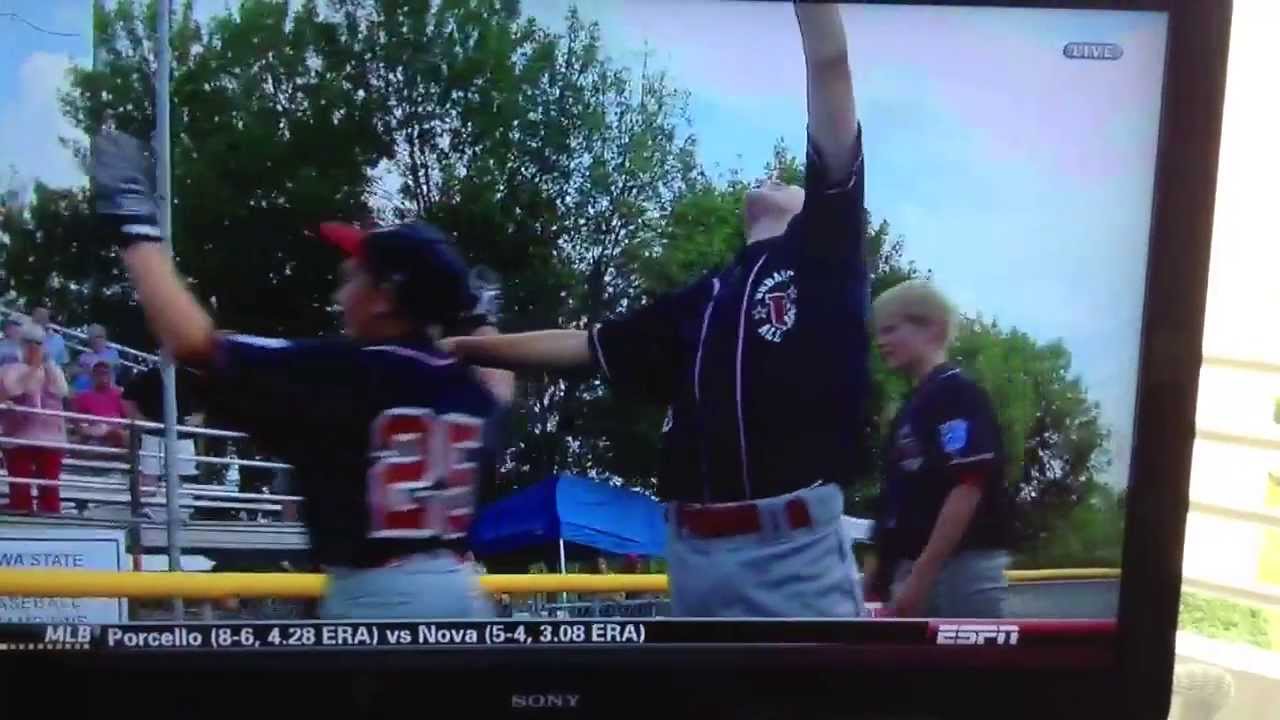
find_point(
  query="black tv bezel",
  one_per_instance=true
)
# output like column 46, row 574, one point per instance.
column 780, row 682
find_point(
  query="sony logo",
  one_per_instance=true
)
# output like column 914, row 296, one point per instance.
column 977, row 634
column 545, row 700
column 1092, row 51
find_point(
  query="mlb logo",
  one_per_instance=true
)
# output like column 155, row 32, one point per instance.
column 954, row 435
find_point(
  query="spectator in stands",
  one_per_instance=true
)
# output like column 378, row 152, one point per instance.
column 144, row 394
column 11, row 342
column 103, row 399
column 635, row 565
column 143, row 400
column 602, row 567
column 285, row 484
column 99, row 351
column 36, row 383
column 55, row 348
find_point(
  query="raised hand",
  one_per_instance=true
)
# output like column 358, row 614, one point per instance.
column 832, row 119
column 486, row 285
column 122, row 177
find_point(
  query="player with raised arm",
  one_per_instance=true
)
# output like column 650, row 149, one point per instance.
column 384, row 430
column 764, row 367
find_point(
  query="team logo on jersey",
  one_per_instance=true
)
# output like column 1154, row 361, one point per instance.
column 954, row 435
column 910, row 457
column 774, row 305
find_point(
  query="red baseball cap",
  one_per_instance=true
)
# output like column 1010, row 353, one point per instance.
column 347, row 238
column 430, row 276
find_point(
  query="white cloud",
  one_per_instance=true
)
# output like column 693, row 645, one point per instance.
column 31, row 123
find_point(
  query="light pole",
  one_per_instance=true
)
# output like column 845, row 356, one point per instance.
column 164, row 202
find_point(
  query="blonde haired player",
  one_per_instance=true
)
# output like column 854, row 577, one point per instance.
column 942, row 527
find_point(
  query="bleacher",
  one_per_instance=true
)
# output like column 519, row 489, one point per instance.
column 105, row 486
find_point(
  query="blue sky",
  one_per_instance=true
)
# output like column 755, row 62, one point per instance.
column 1021, row 178
column 33, row 65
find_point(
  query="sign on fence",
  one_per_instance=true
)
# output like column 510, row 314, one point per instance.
column 39, row 548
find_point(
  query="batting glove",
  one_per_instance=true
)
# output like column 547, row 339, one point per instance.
column 486, row 286
column 122, row 179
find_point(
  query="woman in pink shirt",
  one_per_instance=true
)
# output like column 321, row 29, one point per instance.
column 102, row 400
column 38, row 383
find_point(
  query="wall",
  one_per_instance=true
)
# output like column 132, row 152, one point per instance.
column 1233, row 530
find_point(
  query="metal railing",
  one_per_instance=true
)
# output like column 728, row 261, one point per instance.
column 602, row 608
column 91, row 479
column 140, row 360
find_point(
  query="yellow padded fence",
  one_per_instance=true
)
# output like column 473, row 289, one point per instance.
column 144, row 585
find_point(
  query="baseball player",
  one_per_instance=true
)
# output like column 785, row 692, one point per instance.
column 384, row 430
column 943, row 524
column 763, row 365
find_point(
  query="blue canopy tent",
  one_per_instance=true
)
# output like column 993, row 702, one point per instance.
column 565, row 508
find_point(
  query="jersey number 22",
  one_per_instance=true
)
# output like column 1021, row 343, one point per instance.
column 421, row 484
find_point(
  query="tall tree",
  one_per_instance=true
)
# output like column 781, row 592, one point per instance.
column 1088, row 533
column 1055, row 440
column 52, row 258
column 629, row 162
column 550, row 162
column 271, row 135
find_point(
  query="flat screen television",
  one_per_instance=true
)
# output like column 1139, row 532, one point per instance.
column 702, row 357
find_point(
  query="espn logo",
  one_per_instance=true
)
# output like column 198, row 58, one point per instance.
column 977, row 635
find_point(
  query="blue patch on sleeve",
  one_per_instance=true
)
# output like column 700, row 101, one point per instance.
column 954, row 435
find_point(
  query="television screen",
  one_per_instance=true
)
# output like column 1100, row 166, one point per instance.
column 503, row 324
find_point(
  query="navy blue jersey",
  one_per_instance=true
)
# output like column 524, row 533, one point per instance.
column 386, row 439
column 763, row 363
column 146, row 391
column 945, row 433
column 497, row 430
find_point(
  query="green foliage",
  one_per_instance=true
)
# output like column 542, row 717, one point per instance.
column 1222, row 619
column 549, row 162
column 1090, row 534
column 261, row 98
column 52, row 258
column 705, row 230
column 1055, row 443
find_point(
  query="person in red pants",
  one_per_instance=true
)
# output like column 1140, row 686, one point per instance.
column 36, row 383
